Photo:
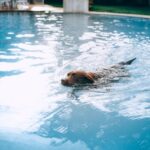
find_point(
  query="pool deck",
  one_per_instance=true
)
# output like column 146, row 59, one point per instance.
column 120, row 14
column 35, row 8
column 45, row 8
column 52, row 9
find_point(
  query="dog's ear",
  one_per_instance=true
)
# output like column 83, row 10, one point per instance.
column 89, row 77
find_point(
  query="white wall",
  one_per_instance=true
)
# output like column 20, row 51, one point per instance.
column 76, row 6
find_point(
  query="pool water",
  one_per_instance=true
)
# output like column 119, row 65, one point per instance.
column 38, row 113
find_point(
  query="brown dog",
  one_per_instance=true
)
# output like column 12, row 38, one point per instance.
column 82, row 77
column 78, row 77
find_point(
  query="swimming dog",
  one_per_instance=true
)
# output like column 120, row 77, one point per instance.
column 104, row 75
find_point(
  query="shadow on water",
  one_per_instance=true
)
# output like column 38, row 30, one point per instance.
column 76, row 121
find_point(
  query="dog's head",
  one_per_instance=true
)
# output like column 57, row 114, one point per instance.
column 78, row 78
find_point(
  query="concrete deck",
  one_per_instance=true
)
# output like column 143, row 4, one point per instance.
column 120, row 14
column 35, row 8
column 45, row 8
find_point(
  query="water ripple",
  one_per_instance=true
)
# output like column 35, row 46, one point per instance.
column 41, row 49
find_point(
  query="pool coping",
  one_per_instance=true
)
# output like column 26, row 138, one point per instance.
column 120, row 14
column 89, row 13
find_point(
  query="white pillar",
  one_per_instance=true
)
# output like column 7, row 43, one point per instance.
column 76, row 6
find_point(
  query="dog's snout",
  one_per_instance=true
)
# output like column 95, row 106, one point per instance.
column 66, row 82
column 62, row 81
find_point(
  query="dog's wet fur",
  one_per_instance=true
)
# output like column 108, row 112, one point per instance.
column 105, row 75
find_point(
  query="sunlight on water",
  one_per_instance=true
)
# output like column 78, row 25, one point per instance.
column 37, row 51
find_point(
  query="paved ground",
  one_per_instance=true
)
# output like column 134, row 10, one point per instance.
column 120, row 14
column 36, row 7
column 45, row 8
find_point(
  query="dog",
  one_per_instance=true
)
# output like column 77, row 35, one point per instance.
column 105, row 75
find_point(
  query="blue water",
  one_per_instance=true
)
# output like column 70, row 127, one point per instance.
column 38, row 113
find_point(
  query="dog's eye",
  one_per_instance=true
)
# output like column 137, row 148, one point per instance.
column 68, row 74
column 71, row 74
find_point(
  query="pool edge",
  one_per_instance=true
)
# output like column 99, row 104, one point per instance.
column 88, row 13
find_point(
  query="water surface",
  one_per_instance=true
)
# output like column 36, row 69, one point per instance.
column 37, row 112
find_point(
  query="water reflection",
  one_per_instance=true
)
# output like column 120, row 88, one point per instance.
column 82, row 122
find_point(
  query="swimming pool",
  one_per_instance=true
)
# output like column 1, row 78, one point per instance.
column 38, row 113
